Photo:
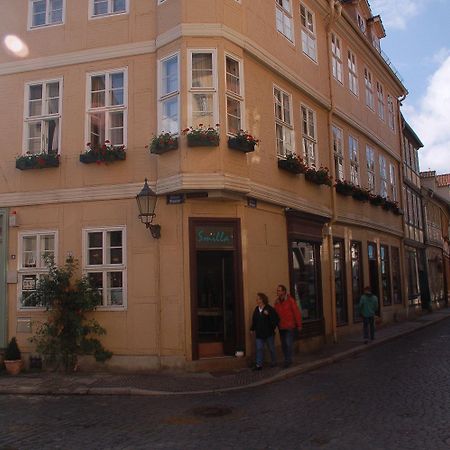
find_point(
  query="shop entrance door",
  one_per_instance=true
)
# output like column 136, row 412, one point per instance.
column 216, row 303
column 3, row 264
column 374, row 278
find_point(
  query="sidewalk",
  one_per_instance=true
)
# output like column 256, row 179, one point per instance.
column 170, row 383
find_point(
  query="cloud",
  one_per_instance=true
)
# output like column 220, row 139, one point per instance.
column 396, row 13
column 441, row 55
column 431, row 121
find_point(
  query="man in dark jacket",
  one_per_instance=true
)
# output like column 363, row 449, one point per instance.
column 368, row 307
column 264, row 322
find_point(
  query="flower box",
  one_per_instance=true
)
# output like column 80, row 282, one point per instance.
column 292, row 164
column 107, row 153
column 241, row 145
column 202, row 136
column 319, row 176
column 344, row 188
column 360, row 194
column 163, row 143
column 377, row 200
column 37, row 161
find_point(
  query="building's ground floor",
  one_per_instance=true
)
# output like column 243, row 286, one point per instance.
column 187, row 298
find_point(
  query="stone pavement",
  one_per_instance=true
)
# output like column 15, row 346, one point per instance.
column 176, row 383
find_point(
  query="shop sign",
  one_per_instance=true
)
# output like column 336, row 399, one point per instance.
column 220, row 237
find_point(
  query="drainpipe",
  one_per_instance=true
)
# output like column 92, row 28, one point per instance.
column 335, row 13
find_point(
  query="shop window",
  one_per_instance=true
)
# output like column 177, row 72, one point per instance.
column 305, row 278
column 340, row 282
column 385, row 275
column 396, row 276
column 357, row 278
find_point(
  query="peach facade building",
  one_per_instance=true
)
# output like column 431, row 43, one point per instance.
column 306, row 77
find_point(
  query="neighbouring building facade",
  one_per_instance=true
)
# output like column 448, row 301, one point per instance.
column 305, row 77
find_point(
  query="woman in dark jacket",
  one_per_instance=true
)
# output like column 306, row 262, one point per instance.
column 264, row 321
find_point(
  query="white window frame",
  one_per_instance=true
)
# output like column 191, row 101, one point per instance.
column 391, row 112
column 287, row 143
column 338, row 151
column 160, row 2
column 393, row 191
column 107, row 109
column 40, row 268
column 166, row 96
column 370, row 164
column 383, row 176
column 368, row 84
column 44, row 116
column 361, row 22
column 380, row 101
column 47, row 15
column 206, row 90
column 336, row 57
column 352, row 73
column 353, row 154
column 93, row 16
column 105, row 268
column 235, row 96
column 283, row 19
column 308, row 36
column 309, row 136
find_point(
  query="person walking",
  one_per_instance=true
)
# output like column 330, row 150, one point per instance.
column 290, row 320
column 264, row 322
column 368, row 307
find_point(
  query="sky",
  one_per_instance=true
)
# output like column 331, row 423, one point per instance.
column 418, row 44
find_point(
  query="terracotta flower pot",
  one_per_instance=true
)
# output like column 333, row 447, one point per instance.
column 13, row 367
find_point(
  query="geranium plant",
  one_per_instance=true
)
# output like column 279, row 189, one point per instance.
column 319, row 176
column 292, row 163
column 39, row 160
column 104, row 153
column 344, row 187
column 243, row 141
column 202, row 136
column 162, row 143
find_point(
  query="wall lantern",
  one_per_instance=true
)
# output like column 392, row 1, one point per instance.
column 146, row 200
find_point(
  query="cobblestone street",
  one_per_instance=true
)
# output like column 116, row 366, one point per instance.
column 395, row 396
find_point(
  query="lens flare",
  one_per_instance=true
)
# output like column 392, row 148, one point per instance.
column 16, row 46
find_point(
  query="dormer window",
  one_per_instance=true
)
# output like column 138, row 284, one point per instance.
column 361, row 22
column 376, row 42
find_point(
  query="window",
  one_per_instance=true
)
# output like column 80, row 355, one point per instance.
column 385, row 275
column 396, row 276
column 370, row 160
column 283, row 122
column 352, row 73
column 339, row 282
column 203, row 88
column 309, row 136
column 413, row 276
column 354, row 160
column 391, row 113
column 42, row 125
column 357, row 278
column 308, row 32
column 169, row 94
column 369, row 88
column 234, row 95
column 361, row 22
column 46, row 12
column 376, row 42
column 380, row 100
column 336, row 55
column 107, row 107
column 108, row 7
column 383, row 176
column 105, row 264
column 35, row 248
column 393, row 183
column 338, row 150
column 284, row 18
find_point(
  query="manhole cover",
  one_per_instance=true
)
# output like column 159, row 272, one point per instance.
column 212, row 411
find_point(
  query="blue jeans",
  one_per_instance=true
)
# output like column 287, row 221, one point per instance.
column 260, row 344
column 287, row 344
column 369, row 325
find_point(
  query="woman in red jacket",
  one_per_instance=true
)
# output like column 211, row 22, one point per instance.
column 290, row 319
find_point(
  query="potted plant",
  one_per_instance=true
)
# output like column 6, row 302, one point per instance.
column 344, row 187
column 40, row 160
column 105, row 153
column 202, row 136
column 361, row 194
column 163, row 143
column 292, row 163
column 318, row 176
column 377, row 200
column 13, row 358
column 243, row 141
